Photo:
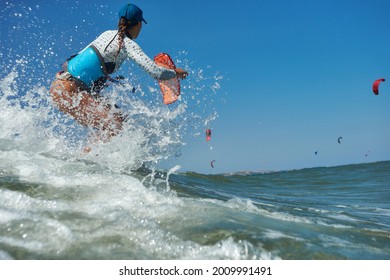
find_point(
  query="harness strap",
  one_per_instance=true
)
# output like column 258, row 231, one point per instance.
column 66, row 76
column 103, row 65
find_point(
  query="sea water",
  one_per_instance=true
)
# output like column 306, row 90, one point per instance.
column 54, row 208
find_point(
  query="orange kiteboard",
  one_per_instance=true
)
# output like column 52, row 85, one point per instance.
column 170, row 89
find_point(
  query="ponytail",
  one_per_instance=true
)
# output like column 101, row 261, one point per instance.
column 123, row 25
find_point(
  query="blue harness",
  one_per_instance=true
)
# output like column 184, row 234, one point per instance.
column 88, row 66
column 89, row 69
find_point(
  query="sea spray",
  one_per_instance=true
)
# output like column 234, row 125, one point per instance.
column 171, row 171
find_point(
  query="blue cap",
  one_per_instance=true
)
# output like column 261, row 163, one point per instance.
column 132, row 13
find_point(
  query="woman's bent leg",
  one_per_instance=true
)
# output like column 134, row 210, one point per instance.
column 87, row 109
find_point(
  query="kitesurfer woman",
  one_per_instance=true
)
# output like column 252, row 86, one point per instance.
column 76, row 88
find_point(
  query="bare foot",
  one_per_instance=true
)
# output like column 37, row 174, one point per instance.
column 86, row 150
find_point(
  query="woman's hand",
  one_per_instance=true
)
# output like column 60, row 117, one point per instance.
column 180, row 73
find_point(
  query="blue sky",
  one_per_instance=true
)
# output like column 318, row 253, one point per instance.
column 297, row 74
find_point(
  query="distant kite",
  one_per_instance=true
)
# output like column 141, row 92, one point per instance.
column 212, row 163
column 316, row 152
column 375, row 86
column 339, row 140
column 208, row 135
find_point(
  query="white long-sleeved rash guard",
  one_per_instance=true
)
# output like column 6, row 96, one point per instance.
column 108, row 45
